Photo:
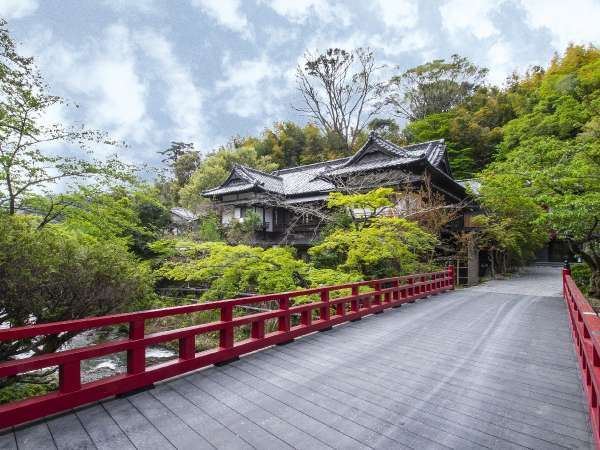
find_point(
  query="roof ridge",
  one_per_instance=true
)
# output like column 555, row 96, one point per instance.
column 256, row 171
column 299, row 168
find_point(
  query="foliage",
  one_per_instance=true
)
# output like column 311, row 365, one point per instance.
column 53, row 274
column 288, row 144
column 388, row 129
column 549, row 161
column 362, row 207
column 385, row 246
column 215, row 168
column 132, row 215
column 27, row 163
column 182, row 161
column 243, row 231
column 229, row 270
column 434, row 87
column 472, row 130
column 582, row 275
column 209, row 229
column 340, row 91
column 19, row 391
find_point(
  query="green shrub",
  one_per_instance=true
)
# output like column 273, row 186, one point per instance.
column 582, row 276
column 54, row 274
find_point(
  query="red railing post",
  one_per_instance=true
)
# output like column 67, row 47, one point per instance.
column 226, row 333
column 377, row 297
column 187, row 347
column 306, row 317
column 136, row 357
column 324, row 312
column 451, row 275
column 69, row 377
column 354, row 302
column 258, row 329
column 284, row 321
column 411, row 289
column 340, row 309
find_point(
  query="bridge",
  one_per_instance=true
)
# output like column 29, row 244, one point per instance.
column 492, row 366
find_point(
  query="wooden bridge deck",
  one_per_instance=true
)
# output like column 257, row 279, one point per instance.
column 485, row 367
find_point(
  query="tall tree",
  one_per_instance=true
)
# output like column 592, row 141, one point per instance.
column 26, row 163
column 433, row 87
column 549, row 157
column 340, row 91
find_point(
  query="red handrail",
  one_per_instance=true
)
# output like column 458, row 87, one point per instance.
column 585, row 325
column 72, row 392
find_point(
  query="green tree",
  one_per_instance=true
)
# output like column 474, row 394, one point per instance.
column 132, row 215
column 229, row 270
column 386, row 246
column 549, row 159
column 434, row 87
column 558, row 184
column 54, row 273
column 472, row 130
column 362, row 207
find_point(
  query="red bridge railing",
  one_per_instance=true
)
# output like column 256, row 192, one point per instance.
column 316, row 316
column 585, row 325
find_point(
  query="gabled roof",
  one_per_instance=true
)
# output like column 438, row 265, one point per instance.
column 242, row 179
column 376, row 153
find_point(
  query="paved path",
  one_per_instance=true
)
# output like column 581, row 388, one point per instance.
column 477, row 368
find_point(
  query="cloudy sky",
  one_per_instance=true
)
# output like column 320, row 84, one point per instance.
column 152, row 71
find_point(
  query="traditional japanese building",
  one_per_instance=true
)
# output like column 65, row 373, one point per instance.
column 284, row 199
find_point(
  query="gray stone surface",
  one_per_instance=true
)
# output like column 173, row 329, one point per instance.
column 487, row 367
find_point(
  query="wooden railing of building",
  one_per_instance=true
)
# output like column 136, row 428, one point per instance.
column 328, row 309
column 585, row 326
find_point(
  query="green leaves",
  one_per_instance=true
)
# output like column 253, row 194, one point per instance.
column 229, row 270
column 386, row 246
column 57, row 273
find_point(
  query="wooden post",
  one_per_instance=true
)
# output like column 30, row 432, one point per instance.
column 136, row 358
column 69, row 377
column 324, row 311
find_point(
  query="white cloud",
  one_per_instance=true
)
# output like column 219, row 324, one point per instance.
column 103, row 77
column 466, row 15
column 299, row 11
column 572, row 21
column 17, row 9
column 500, row 60
column 183, row 98
column 255, row 88
column 227, row 13
column 143, row 6
column 398, row 13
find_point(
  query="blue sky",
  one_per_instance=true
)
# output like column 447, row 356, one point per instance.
column 152, row 71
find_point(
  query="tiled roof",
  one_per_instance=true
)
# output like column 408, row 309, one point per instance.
column 313, row 178
column 185, row 214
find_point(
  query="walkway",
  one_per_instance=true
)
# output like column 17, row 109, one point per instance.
column 483, row 367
